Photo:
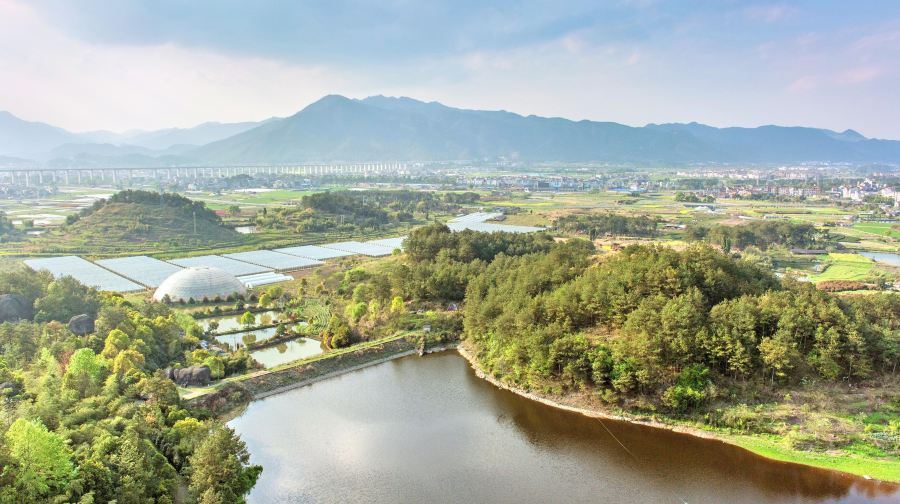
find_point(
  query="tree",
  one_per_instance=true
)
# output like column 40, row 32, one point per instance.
column 84, row 372
column 220, row 468
column 234, row 210
column 41, row 462
column 65, row 298
column 776, row 355
column 248, row 319
column 397, row 306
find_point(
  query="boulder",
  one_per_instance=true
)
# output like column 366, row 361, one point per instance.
column 81, row 324
column 192, row 376
column 14, row 307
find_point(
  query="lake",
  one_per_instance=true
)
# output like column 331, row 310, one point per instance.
column 426, row 429
column 883, row 257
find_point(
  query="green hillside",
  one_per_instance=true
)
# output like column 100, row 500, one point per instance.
column 139, row 222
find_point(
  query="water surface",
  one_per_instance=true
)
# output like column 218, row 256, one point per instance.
column 245, row 338
column 428, row 430
column 883, row 257
column 287, row 352
column 233, row 322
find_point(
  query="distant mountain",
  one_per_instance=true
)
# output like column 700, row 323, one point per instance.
column 20, row 138
column 336, row 128
column 198, row 135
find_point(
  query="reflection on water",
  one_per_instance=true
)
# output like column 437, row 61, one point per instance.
column 246, row 337
column 233, row 322
column 428, row 430
column 287, row 352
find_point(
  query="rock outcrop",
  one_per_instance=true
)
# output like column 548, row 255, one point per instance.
column 14, row 307
column 81, row 324
column 192, row 376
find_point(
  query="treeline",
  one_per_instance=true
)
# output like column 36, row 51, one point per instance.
column 594, row 225
column 171, row 200
column 8, row 231
column 354, row 210
column 690, row 197
column 435, row 272
column 91, row 418
column 760, row 234
column 672, row 328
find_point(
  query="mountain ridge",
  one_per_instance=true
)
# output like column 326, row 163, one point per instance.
column 336, row 128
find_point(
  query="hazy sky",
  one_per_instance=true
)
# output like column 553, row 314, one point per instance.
column 122, row 64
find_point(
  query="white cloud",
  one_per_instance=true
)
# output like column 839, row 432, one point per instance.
column 54, row 78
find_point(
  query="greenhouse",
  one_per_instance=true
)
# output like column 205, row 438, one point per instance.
column 199, row 283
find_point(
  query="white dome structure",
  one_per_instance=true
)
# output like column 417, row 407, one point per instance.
column 199, row 283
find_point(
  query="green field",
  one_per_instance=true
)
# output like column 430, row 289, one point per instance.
column 845, row 267
column 879, row 228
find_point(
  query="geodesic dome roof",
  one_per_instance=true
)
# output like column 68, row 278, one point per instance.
column 199, row 283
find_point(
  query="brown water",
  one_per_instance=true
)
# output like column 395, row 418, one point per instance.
column 428, row 430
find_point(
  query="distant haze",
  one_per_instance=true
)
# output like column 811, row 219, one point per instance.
column 89, row 65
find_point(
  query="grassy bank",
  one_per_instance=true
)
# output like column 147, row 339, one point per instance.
column 304, row 369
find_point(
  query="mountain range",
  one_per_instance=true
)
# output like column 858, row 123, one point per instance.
column 336, row 128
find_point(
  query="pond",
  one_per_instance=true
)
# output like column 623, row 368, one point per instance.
column 233, row 322
column 246, row 337
column 883, row 257
column 428, row 430
column 287, row 352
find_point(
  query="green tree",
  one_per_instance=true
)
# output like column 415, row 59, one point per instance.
column 220, row 468
column 397, row 306
column 65, row 298
column 84, row 372
column 248, row 319
column 41, row 462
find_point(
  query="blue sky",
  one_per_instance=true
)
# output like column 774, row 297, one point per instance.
column 92, row 64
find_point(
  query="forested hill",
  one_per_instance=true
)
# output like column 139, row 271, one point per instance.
column 338, row 128
column 674, row 329
column 134, row 219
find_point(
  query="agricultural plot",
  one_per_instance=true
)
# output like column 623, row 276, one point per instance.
column 235, row 267
column 267, row 278
column 391, row 243
column 845, row 267
column 879, row 228
column 144, row 270
column 274, row 260
column 361, row 248
column 85, row 272
column 314, row 252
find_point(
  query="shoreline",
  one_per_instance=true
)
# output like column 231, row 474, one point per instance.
column 333, row 374
column 681, row 429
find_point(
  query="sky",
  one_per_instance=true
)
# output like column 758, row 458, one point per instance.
column 148, row 64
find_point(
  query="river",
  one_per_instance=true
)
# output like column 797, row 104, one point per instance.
column 426, row 429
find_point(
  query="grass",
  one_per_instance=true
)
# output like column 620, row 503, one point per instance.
column 879, row 228
column 845, row 267
column 193, row 392
column 770, row 447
